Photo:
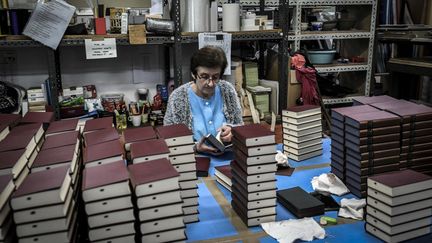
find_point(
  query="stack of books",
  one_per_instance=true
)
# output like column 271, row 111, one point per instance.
column 44, row 208
column 38, row 117
column 61, row 139
column 399, row 205
column 224, row 176
column 338, row 149
column 7, row 230
column 366, row 100
column 97, row 124
column 156, row 186
column 253, row 174
column 133, row 135
column 103, row 153
column 302, row 132
column 416, row 134
column 148, row 150
column 36, row 99
column 101, row 136
column 7, row 122
column 22, row 145
column 62, row 126
column 371, row 147
column 181, row 155
column 108, row 203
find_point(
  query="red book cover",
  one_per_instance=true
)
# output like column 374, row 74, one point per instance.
column 4, row 181
column 9, row 119
column 225, row 170
column 253, row 134
column 373, row 99
column 98, row 124
column 59, row 140
column 38, row 117
column 151, row 171
column 104, row 175
column 62, row 126
column 148, row 148
column 202, row 166
column 139, row 134
column 9, row 158
column 101, row 136
column 19, row 137
column 54, row 156
column 400, row 178
column 340, row 113
column 372, row 120
column 413, row 113
column 172, row 131
column 102, row 151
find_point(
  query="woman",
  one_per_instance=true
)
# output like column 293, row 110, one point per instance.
column 207, row 105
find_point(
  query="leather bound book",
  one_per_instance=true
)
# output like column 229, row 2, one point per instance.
column 12, row 162
column 397, row 237
column 153, row 177
column 19, row 139
column 101, row 136
column 62, row 126
column 302, row 126
column 415, row 154
column 340, row 131
column 50, row 158
column 416, row 140
column 60, row 140
column 251, row 178
column 367, row 171
column 359, row 141
column 374, row 146
column 418, row 125
column 338, row 146
column 42, row 188
column 102, row 153
column 271, row 202
column 181, row 150
column 373, row 154
column 6, row 188
column 337, row 138
column 303, row 145
column 132, row 135
column 398, row 229
column 304, row 138
column 413, row 113
column 302, row 120
column 301, row 111
column 402, row 199
column 174, row 235
column 182, row 159
column 108, row 205
column 400, row 209
column 254, row 187
column 98, row 124
column 339, row 114
column 159, row 212
column 393, row 104
column 253, row 196
column 10, row 119
column 403, row 218
column 372, row 132
column 253, row 160
column 300, row 203
column 258, row 169
column 400, row 182
column 303, row 132
column 174, row 135
column 252, row 213
column 253, row 221
column 372, row 120
column 304, row 156
column 159, row 199
column 255, row 150
column 224, row 175
column 415, row 133
column 302, row 151
column 202, row 166
column 188, row 175
column 186, row 167
column 110, row 218
column 253, row 135
column 105, row 181
column 162, row 225
column 111, row 231
column 149, row 150
column 62, row 236
column 38, row 117
column 373, row 99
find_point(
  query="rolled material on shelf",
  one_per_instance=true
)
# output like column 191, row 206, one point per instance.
column 195, row 15
column 231, row 17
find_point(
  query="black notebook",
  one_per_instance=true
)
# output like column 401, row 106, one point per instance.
column 300, row 203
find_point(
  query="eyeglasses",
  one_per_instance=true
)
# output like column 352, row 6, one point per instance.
column 206, row 77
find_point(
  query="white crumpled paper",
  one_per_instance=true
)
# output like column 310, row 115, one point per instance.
column 352, row 208
column 288, row 231
column 329, row 183
column 281, row 159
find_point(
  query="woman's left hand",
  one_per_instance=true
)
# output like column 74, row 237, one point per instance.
column 225, row 134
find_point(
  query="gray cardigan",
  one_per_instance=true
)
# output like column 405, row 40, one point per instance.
column 178, row 108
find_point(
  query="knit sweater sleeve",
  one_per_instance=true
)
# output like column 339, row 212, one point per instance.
column 178, row 107
column 232, row 107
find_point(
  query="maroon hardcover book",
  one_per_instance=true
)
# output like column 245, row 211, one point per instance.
column 417, row 133
column 373, row 154
column 139, row 134
column 151, row 171
column 172, row 131
column 372, row 170
column 62, row 126
column 102, row 151
column 104, row 175
column 359, row 141
column 373, row 146
column 413, row 113
column 202, row 166
column 373, row 131
column 98, row 124
column 401, row 180
column 301, row 110
column 101, row 136
column 38, row 117
column 54, row 156
column 372, row 120
column 392, row 104
column 9, row 119
column 60, row 140
column 373, row 99
column 10, row 158
column 340, row 113
column 372, row 162
column 225, row 170
column 253, row 135
column 19, row 137
column 415, row 155
column 418, row 125
column 4, row 181
column 148, row 148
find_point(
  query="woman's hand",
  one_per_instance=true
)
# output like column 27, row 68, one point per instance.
column 201, row 147
column 225, row 134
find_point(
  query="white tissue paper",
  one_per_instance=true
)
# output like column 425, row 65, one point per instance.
column 288, row 231
column 281, row 159
column 329, row 183
column 352, row 208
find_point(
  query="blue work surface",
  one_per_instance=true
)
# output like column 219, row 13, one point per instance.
column 215, row 224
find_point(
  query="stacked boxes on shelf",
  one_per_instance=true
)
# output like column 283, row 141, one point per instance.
column 160, row 207
column 399, row 205
column 108, row 204
column 181, row 155
column 253, row 174
column 36, row 99
column 302, row 132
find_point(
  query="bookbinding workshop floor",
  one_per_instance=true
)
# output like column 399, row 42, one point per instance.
column 219, row 223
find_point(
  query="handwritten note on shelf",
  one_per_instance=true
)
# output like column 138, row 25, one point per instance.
column 99, row 49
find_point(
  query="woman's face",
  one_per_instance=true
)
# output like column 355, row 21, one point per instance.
column 206, row 80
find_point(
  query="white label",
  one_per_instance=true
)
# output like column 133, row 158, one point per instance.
column 218, row 39
column 101, row 48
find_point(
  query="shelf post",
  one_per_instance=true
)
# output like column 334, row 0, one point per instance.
column 283, row 55
column 54, row 78
column 177, row 44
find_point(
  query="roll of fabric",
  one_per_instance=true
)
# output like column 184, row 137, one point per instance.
column 231, row 17
column 195, row 15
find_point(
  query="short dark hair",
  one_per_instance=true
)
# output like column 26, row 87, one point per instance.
column 209, row 57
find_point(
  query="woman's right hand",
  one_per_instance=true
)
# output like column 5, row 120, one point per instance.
column 202, row 147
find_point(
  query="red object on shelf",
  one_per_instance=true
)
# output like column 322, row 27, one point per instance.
column 100, row 26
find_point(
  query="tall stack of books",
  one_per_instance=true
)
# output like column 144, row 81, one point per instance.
column 338, row 147
column 156, row 186
column 373, row 134
column 416, row 134
column 36, row 99
column 133, row 135
column 181, row 155
column 44, row 208
column 399, row 205
column 253, row 174
column 7, row 230
column 108, row 203
column 7, row 122
column 302, row 132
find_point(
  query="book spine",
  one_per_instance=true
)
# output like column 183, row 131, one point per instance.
column 13, row 18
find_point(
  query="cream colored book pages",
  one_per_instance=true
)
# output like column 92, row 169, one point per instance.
column 108, row 191
column 108, row 205
column 159, row 199
column 162, row 225
column 165, row 185
column 166, row 236
column 160, row 212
